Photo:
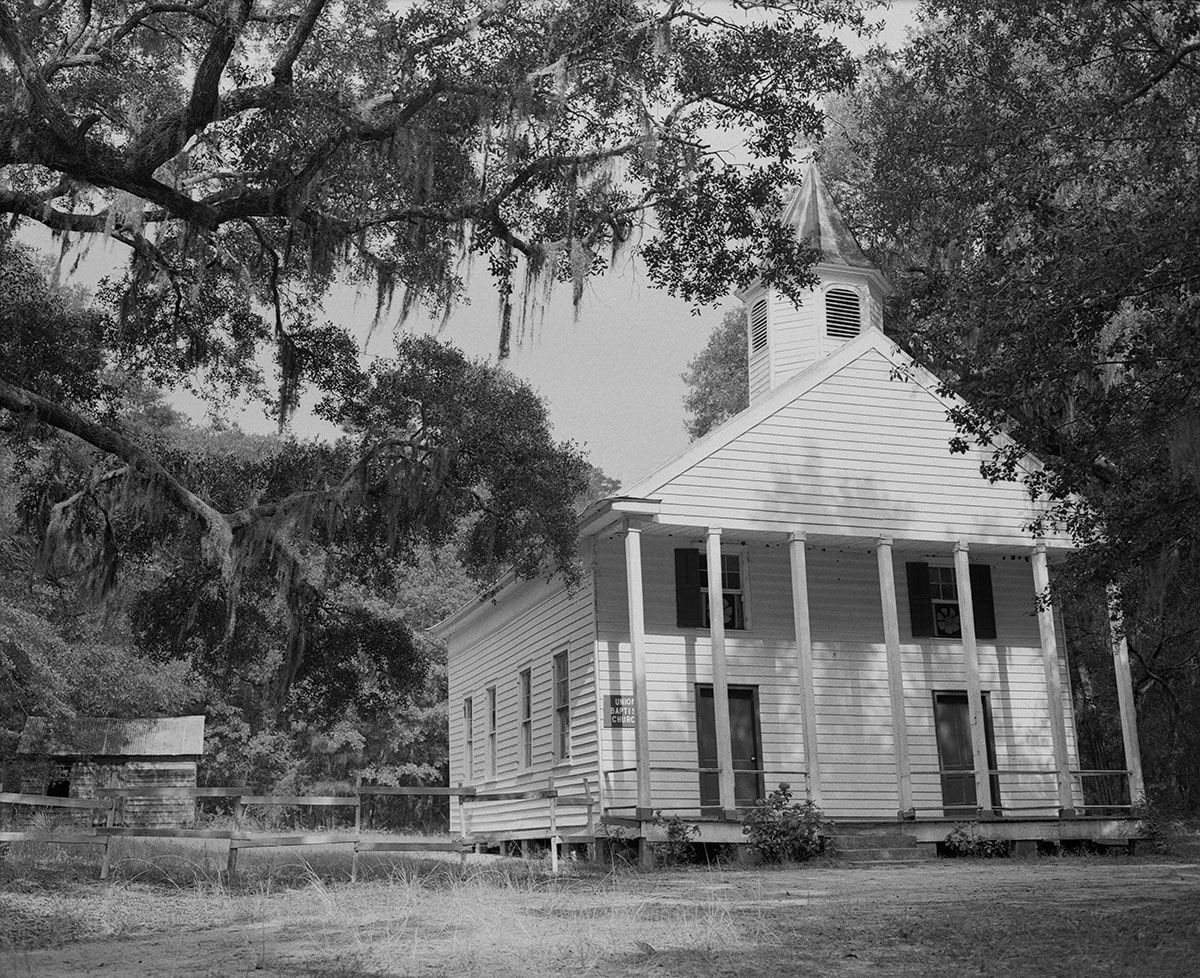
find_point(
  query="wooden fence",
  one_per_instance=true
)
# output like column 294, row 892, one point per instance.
column 111, row 802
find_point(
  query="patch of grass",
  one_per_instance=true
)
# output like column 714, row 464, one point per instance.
column 500, row 917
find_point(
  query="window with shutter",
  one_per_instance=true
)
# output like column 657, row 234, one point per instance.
column 691, row 590
column 933, row 601
column 843, row 318
column 758, row 326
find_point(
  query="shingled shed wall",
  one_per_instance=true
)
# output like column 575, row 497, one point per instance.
column 122, row 772
column 99, row 752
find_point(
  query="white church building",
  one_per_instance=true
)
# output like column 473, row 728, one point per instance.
column 873, row 637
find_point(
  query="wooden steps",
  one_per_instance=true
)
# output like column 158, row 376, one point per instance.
column 869, row 849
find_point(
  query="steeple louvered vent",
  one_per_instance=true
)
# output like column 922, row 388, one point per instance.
column 843, row 318
column 758, row 326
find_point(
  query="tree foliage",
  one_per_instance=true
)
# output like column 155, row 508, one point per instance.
column 296, row 139
column 250, row 155
column 1026, row 173
column 718, row 377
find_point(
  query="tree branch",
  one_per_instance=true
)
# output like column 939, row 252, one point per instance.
column 164, row 141
column 44, row 102
column 282, row 69
column 218, row 533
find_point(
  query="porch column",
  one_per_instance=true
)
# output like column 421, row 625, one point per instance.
column 1058, row 733
column 804, row 662
column 720, row 674
column 895, row 667
column 1125, row 700
column 637, row 647
column 966, row 615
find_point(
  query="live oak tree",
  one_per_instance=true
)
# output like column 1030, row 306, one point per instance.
column 1026, row 173
column 717, row 378
column 251, row 154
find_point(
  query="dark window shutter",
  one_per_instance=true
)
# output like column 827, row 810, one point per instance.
column 688, row 611
column 920, row 607
column 981, row 601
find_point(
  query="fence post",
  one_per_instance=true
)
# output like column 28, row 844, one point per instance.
column 231, row 864
column 108, row 821
column 553, row 826
column 357, row 828
column 591, row 818
column 462, row 826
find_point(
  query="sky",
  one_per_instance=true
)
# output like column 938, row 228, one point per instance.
column 610, row 374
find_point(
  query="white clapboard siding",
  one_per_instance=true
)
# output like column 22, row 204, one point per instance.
column 494, row 654
column 861, row 453
column 795, row 337
column 854, row 725
column 760, row 374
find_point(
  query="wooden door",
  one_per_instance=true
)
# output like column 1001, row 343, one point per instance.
column 747, row 751
column 956, row 758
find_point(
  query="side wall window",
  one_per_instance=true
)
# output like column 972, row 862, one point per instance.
column 491, row 731
column 469, row 745
column 933, row 601
column 562, row 707
column 691, row 590
column 525, row 685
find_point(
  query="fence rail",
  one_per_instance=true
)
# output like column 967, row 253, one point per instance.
column 111, row 801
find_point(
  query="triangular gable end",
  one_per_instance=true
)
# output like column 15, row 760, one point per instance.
column 857, row 445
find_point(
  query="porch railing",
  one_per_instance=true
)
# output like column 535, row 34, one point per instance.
column 1114, row 800
column 767, row 776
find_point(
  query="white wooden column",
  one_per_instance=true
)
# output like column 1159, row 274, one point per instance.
column 966, row 615
column 804, row 663
column 1125, row 700
column 895, row 668
column 637, row 647
column 720, row 674
column 1054, row 693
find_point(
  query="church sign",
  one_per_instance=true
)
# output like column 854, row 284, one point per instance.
column 618, row 711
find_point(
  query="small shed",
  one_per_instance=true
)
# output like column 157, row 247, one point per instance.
column 101, row 752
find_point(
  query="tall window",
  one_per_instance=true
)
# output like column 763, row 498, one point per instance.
column 469, row 745
column 691, row 589
column 933, row 601
column 491, row 731
column 562, row 707
column 526, row 698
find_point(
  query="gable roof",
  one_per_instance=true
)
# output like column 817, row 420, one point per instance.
column 108, row 737
column 856, row 445
column 794, row 387
column 818, row 223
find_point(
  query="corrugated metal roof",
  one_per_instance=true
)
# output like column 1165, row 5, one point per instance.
column 105, row 736
column 819, row 223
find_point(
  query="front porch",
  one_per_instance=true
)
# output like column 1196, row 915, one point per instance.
column 874, row 718
column 893, row 840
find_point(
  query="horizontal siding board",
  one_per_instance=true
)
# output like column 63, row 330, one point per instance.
column 850, row 664
column 857, row 452
column 560, row 620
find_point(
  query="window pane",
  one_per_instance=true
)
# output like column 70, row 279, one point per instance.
column 731, row 572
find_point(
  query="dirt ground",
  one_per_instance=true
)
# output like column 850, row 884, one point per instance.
column 1046, row 917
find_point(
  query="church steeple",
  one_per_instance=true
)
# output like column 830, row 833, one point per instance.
column 784, row 338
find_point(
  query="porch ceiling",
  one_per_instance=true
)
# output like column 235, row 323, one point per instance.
column 695, row 535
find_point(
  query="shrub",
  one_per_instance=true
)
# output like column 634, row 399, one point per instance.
column 780, row 830
column 678, row 846
column 964, row 840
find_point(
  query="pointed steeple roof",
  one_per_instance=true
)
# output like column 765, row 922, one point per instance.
column 819, row 224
